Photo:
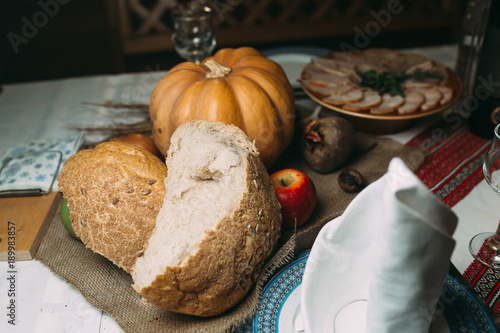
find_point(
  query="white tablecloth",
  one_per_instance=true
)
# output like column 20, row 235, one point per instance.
column 39, row 110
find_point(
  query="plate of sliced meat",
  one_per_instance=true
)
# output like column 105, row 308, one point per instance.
column 381, row 85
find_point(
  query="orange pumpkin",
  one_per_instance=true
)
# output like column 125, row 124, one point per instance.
column 235, row 86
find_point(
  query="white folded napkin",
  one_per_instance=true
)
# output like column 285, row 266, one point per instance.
column 380, row 266
column 32, row 168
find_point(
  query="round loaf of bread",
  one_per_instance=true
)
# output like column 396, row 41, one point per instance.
column 114, row 193
column 219, row 222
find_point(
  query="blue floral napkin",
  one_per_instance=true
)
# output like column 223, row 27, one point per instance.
column 32, row 168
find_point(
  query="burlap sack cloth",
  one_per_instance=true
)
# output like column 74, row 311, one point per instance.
column 109, row 288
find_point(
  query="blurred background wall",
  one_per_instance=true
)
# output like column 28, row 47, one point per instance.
column 49, row 39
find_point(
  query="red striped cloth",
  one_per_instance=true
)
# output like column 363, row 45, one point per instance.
column 452, row 167
column 454, row 160
column 486, row 282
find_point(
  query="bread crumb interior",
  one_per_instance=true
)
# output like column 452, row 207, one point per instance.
column 206, row 181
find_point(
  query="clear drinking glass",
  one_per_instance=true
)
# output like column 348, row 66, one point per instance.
column 193, row 36
column 485, row 247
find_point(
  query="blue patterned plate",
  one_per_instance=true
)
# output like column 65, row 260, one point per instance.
column 461, row 310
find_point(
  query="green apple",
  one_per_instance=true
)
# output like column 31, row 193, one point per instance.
column 66, row 220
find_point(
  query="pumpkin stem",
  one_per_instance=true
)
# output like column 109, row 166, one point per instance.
column 215, row 69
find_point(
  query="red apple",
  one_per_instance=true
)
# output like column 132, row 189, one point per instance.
column 296, row 194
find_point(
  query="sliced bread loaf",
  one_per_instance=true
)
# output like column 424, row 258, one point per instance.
column 114, row 193
column 219, row 222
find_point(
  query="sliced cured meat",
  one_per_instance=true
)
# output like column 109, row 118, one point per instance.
column 431, row 67
column 389, row 60
column 427, row 65
column 325, row 90
column 352, row 57
column 412, row 84
column 413, row 101
column 315, row 74
column 338, row 67
column 379, row 56
column 330, row 66
column 389, row 104
column 371, row 99
column 432, row 97
column 362, row 68
column 352, row 96
column 336, row 81
column 447, row 94
column 424, row 83
column 443, row 71
column 344, row 64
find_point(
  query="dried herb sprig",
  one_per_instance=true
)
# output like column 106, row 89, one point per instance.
column 120, row 105
column 120, row 111
column 144, row 126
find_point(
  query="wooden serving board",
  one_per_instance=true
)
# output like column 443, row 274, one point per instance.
column 29, row 217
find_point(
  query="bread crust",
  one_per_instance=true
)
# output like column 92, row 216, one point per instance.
column 114, row 193
column 230, row 257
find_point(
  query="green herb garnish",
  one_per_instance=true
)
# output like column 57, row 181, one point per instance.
column 390, row 82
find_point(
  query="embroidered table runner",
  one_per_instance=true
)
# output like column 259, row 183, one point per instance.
column 453, row 162
column 451, row 169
